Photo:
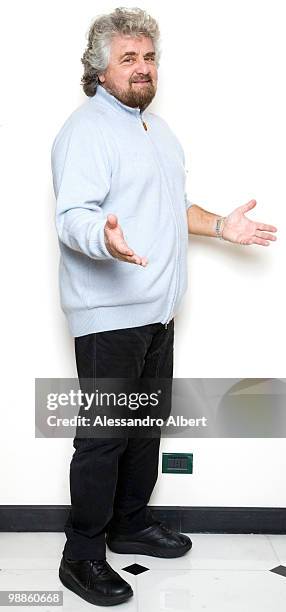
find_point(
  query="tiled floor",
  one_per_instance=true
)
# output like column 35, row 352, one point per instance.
column 222, row 573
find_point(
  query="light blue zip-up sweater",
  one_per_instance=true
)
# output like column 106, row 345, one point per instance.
column 105, row 161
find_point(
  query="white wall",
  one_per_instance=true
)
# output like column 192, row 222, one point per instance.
column 222, row 90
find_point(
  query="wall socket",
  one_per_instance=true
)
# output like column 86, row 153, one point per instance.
column 177, row 463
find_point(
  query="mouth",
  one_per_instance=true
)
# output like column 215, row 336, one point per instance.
column 141, row 82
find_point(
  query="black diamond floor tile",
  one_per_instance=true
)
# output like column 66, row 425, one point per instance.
column 280, row 569
column 135, row 569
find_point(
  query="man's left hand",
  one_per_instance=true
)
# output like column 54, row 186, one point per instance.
column 238, row 228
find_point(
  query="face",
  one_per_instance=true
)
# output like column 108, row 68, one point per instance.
column 131, row 75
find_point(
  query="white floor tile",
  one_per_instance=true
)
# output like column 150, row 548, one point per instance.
column 31, row 550
column 213, row 591
column 220, row 551
column 279, row 544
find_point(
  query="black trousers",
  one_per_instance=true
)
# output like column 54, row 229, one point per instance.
column 111, row 479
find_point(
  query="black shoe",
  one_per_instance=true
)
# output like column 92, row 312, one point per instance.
column 157, row 541
column 94, row 581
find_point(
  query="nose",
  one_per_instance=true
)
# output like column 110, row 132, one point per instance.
column 142, row 66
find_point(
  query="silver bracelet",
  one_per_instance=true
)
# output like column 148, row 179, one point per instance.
column 219, row 227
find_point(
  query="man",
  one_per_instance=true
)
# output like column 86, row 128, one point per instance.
column 119, row 181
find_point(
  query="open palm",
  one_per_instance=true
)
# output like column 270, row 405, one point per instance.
column 238, row 228
column 116, row 244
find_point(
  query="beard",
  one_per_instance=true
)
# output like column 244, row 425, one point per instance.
column 134, row 96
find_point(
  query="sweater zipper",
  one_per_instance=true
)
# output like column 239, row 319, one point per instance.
column 178, row 236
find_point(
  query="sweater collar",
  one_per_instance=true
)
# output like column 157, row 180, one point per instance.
column 103, row 95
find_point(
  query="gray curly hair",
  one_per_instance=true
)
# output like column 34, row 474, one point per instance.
column 124, row 21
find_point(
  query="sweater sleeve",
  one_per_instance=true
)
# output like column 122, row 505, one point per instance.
column 188, row 203
column 81, row 169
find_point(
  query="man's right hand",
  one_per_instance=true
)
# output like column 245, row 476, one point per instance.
column 116, row 244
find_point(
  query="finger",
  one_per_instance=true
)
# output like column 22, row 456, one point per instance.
column 123, row 249
column 245, row 207
column 141, row 261
column 119, row 250
column 111, row 221
column 268, row 228
column 136, row 259
column 132, row 260
column 265, row 235
column 260, row 241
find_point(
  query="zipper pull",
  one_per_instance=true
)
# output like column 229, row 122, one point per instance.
column 166, row 325
column 143, row 122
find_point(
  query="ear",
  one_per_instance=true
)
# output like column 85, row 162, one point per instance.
column 101, row 78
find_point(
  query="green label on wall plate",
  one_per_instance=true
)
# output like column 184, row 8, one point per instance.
column 177, row 463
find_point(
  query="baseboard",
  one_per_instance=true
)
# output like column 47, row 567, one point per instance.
column 192, row 519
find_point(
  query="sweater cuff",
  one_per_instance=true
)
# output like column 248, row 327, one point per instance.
column 97, row 243
column 188, row 204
